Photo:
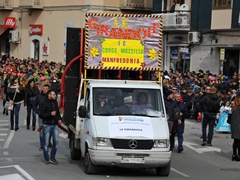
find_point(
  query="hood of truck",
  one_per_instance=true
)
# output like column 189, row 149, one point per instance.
column 125, row 127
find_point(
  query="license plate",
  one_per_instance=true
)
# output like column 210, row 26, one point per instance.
column 133, row 160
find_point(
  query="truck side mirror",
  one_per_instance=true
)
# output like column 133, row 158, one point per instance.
column 82, row 112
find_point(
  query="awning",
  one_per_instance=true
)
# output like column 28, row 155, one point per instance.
column 2, row 29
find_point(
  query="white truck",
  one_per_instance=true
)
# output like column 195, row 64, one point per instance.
column 118, row 122
column 122, row 136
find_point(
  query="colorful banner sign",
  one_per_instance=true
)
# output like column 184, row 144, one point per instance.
column 123, row 41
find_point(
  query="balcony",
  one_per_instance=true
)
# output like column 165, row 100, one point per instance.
column 31, row 4
column 176, row 21
column 6, row 5
column 136, row 5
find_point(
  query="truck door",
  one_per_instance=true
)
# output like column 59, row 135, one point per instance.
column 85, row 124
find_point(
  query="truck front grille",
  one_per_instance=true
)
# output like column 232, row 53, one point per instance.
column 132, row 144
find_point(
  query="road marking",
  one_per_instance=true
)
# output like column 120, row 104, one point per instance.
column 12, row 177
column 201, row 150
column 3, row 134
column 3, row 129
column 4, row 124
column 5, row 153
column 1, row 139
column 176, row 171
column 22, row 171
column 6, row 145
column 4, row 120
column 9, row 159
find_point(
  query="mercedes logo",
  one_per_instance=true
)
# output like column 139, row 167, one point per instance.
column 133, row 144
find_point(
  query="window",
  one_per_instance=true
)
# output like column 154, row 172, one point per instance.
column 222, row 4
column 36, row 49
column 128, row 101
column 87, row 101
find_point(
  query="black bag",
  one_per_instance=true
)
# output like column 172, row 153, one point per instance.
column 176, row 114
column 229, row 118
column 214, row 105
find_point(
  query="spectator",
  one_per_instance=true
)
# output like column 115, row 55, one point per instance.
column 170, row 104
column 36, row 106
column 196, row 100
column 231, row 95
column 235, row 130
column 184, row 94
column 49, row 112
column 55, row 82
column 172, row 10
column 5, row 81
column 178, row 126
column 15, row 95
column 31, row 92
column 210, row 105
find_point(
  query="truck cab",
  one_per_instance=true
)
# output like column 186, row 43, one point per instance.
column 123, row 123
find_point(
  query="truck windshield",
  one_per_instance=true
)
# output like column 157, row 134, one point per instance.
column 128, row 101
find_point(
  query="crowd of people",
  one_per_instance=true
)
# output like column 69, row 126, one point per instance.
column 35, row 85
column 202, row 96
column 212, row 100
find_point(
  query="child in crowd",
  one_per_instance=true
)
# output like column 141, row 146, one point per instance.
column 222, row 125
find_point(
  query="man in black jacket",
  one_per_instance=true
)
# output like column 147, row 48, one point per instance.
column 178, row 126
column 210, row 106
column 170, row 105
column 49, row 112
column 36, row 106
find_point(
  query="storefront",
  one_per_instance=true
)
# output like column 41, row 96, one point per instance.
column 35, row 41
column 9, row 24
column 180, row 58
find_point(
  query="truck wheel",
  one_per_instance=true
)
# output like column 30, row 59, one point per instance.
column 75, row 153
column 90, row 168
column 164, row 171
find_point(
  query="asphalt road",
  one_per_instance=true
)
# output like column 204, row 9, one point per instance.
column 20, row 158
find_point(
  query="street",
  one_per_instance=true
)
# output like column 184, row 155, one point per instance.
column 20, row 158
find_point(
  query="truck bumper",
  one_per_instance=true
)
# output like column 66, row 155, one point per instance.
column 130, row 159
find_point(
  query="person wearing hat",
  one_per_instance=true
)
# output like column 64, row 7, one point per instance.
column 210, row 105
column 170, row 105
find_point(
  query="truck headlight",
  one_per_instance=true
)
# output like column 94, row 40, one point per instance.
column 102, row 142
column 162, row 143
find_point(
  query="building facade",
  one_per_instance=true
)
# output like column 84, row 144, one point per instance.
column 208, row 41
